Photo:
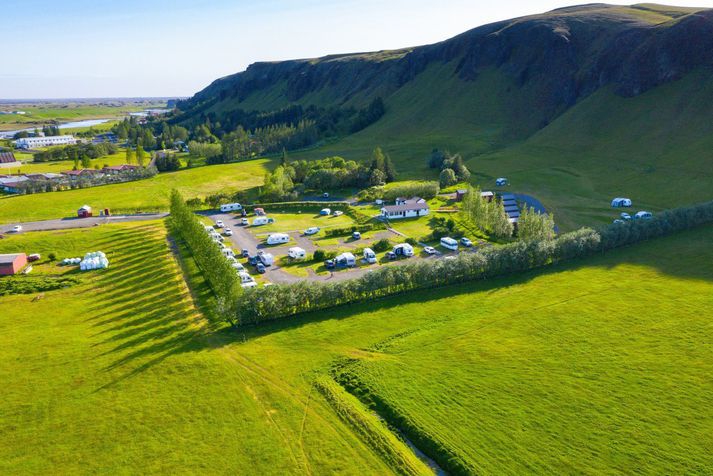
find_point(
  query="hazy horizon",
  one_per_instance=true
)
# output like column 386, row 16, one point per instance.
column 167, row 49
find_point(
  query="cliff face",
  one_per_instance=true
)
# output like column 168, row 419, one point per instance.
column 561, row 56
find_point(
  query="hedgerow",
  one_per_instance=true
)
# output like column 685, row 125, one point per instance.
column 220, row 275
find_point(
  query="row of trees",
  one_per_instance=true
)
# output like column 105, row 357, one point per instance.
column 151, row 135
column 535, row 226
column 218, row 272
column 277, row 302
column 488, row 216
column 75, row 152
column 138, row 155
column 427, row 190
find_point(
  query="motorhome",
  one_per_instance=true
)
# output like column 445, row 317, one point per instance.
column 231, row 207
column 277, row 238
column 266, row 259
column 228, row 253
column 246, row 281
column 345, row 260
column 369, row 256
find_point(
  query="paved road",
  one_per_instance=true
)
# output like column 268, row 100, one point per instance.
column 67, row 223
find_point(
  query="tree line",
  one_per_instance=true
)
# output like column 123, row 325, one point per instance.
column 277, row 302
column 488, row 216
column 290, row 179
column 77, row 153
column 219, row 274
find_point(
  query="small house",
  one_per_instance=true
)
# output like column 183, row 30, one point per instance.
column 12, row 263
column 84, row 212
column 460, row 194
column 407, row 209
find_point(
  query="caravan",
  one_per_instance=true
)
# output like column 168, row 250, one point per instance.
column 345, row 260
column 278, row 238
column 404, row 249
column 621, row 202
column 296, row 253
column 246, row 281
column 262, row 220
column 231, row 207
column 449, row 243
column 266, row 259
column 228, row 253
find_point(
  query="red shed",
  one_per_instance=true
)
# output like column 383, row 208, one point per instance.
column 12, row 264
column 84, row 212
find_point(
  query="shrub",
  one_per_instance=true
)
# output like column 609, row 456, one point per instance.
column 318, row 256
column 411, row 241
column 52, row 257
column 381, row 245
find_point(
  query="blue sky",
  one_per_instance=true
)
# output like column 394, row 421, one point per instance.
column 107, row 48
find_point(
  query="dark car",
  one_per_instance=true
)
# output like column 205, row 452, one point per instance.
column 260, row 268
column 330, row 264
column 252, row 260
column 391, row 255
column 245, row 253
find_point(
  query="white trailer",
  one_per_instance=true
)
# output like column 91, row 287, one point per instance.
column 266, row 258
column 277, row 238
column 231, row 207
column 296, row 253
column 404, row 249
column 449, row 243
column 262, row 220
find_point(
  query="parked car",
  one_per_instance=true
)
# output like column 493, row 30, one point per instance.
column 329, row 264
column 325, row 212
column 260, row 268
column 625, row 216
column 252, row 259
column 245, row 253
column 33, row 257
column 356, row 235
column 501, row 182
column 17, row 228
column 220, row 224
column 643, row 215
column 312, row 230
column 466, row 242
column 391, row 255
column 338, row 213
column 228, row 232
column 259, row 212
column 325, row 195
column 244, row 221
column 430, row 250
column 619, row 221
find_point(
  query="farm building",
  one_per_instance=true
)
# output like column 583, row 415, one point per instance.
column 12, row 263
column 116, row 169
column 12, row 183
column 82, row 173
column 460, row 194
column 406, row 208
column 32, row 142
column 84, row 212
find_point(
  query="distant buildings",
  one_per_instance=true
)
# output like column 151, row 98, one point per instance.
column 7, row 160
column 12, row 263
column 33, row 142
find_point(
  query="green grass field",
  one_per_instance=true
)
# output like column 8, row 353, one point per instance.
column 598, row 366
column 149, row 194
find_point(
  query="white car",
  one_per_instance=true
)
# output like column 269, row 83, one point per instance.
column 312, row 230
column 17, row 228
column 430, row 250
column 228, row 232
column 220, row 224
column 466, row 242
column 338, row 213
column 244, row 221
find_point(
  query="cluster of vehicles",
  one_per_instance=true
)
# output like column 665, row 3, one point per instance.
column 621, row 202
column 246, row 281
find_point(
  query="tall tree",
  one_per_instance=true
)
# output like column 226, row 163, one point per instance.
column 389, row 169
column 129, row 155
column 140, row 155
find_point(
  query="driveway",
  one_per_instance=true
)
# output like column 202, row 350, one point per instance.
column 68, row 223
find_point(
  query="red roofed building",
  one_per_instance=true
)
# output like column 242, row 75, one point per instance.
column 12, row 264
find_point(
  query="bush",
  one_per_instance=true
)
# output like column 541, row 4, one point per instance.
column 381, row 245
column 319, row 256
column 52, row 257
column 411, row 241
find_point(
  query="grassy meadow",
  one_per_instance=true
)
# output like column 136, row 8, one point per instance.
column 149, row 194
column 38, row 114
column 598, row 366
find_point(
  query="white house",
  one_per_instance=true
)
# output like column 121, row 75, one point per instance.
column 32, row 142
column 413, row 207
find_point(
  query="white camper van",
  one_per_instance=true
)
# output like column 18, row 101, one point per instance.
column 345, row 260
column 262, row 220
column 228, row 253
column 266, row 259
column 369, row 256
column 277, row 238
column 246, row 281
column 296, row 253
column 231, row 207
column 449, row 243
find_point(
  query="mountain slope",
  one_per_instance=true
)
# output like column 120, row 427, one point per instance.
column 589, row 89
